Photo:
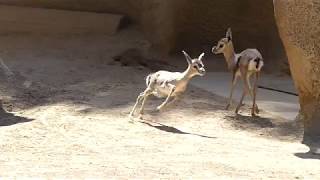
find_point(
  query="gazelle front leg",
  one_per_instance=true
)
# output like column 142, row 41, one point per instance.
column 246, row 86
column 233, row 84
column 240, row 102
column 172, row 89
column 175, row 99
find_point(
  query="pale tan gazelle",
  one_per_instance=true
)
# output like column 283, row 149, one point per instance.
column 245, row 64
column 165, row 84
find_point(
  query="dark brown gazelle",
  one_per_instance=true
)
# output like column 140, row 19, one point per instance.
column 245, row 64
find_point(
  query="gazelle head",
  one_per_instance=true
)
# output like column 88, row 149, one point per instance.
column 196, row 66
column 223, row 44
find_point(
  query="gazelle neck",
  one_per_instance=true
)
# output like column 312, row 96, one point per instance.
column 187, row 74
column 230, row 55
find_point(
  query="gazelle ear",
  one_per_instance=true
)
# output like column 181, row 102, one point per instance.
column 189, row 60
column 201, row 56
column 229, row 34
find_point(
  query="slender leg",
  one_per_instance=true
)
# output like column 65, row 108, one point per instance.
column 175, row 99
column 244, row 93
column 255, row 108
column 252, row 91
column 245, row 82
column 146, row 95
column 246, row 89
column 233, row 83
column 167, row 99
column 140, row 97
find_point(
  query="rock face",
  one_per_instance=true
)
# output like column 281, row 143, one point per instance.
column 299, row 26
column 154, row 16
column 173, row 25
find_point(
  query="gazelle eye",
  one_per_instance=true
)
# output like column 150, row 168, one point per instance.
column 195, row 66
column 221, row 45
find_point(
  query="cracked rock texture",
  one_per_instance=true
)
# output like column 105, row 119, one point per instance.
column 298, row 22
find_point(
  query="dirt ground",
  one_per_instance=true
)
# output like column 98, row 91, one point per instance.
column 67, row 117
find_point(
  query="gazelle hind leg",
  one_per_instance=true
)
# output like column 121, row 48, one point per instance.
column 255, row 108
column 252, row 92
column 150, row 87
column 147, row 93
column 139, row 98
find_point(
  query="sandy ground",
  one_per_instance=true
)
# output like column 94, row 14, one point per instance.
column 72, row 121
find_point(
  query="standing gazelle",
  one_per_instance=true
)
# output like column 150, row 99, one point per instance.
column 165, row 84
column 248, row 62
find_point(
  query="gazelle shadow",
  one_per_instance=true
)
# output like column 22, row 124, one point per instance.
column 307, row 155
column 8, row 119
column 174, row 130
column 255, row 121
column 264, row 126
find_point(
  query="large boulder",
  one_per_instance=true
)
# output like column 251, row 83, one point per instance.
column 299, row 26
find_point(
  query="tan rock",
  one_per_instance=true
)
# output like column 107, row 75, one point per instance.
column 299, row 26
